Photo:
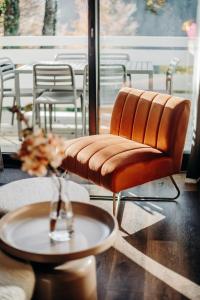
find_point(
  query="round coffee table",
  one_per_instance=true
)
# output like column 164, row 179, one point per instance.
column 76, row 278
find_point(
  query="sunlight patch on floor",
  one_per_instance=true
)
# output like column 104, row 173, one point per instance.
column 178, row 282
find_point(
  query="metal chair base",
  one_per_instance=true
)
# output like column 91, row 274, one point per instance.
column 120, row 196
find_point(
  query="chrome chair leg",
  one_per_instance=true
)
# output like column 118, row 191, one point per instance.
column 83, row 114
column 45, row 118
column 13, row 115
column 39, row 116
column 76, row 125
column 116, row 203
column 50, row 116
column 54, row 111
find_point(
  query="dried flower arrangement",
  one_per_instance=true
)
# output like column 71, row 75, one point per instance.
column 41, row 154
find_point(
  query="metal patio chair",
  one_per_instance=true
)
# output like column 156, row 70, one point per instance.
column 59, row 84
column 80, row 59
column 7, row 73
column 112, row 78
column 116, row 58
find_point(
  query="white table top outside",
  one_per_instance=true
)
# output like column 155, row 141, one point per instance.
column 28, row 69
column 132, row 67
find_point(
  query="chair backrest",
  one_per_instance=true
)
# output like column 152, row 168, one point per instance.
column 53, row 77
column 112, row 75
column 75, row 57
column 154, row 119
column 112, row 79
column 7, row 69
column 118, row 58
column 169, row 74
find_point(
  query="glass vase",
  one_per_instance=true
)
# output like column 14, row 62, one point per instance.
column 61, row 214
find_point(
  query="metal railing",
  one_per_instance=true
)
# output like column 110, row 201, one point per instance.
column 159, row 50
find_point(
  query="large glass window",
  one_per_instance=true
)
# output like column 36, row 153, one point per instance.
column 141, row 43
column 153, row 41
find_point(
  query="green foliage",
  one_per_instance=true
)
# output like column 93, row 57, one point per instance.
column 11, row 17
column 28, row 107
column 49, row 27
column 2, row 7
column 154, row 5
column 162, row 69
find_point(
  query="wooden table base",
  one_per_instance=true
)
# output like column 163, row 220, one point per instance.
column 73, row 280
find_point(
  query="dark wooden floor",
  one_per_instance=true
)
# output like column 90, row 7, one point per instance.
column 159, row 256
column 157, row 252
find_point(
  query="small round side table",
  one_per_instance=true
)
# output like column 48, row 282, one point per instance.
column 63, row 271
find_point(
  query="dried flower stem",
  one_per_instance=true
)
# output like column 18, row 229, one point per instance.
column 53, row 222
column 59, row 197
column 41, row 154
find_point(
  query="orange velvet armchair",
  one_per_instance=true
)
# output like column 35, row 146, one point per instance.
column 146, row 141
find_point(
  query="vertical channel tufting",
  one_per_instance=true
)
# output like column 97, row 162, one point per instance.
column 154, row 119
column 117, row 111
column 173, row 117
column 128, row 113
column 141, row 116
column 167, row 126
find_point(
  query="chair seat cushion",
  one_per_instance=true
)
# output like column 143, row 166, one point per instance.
column 115, row 162
column 57, row 97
